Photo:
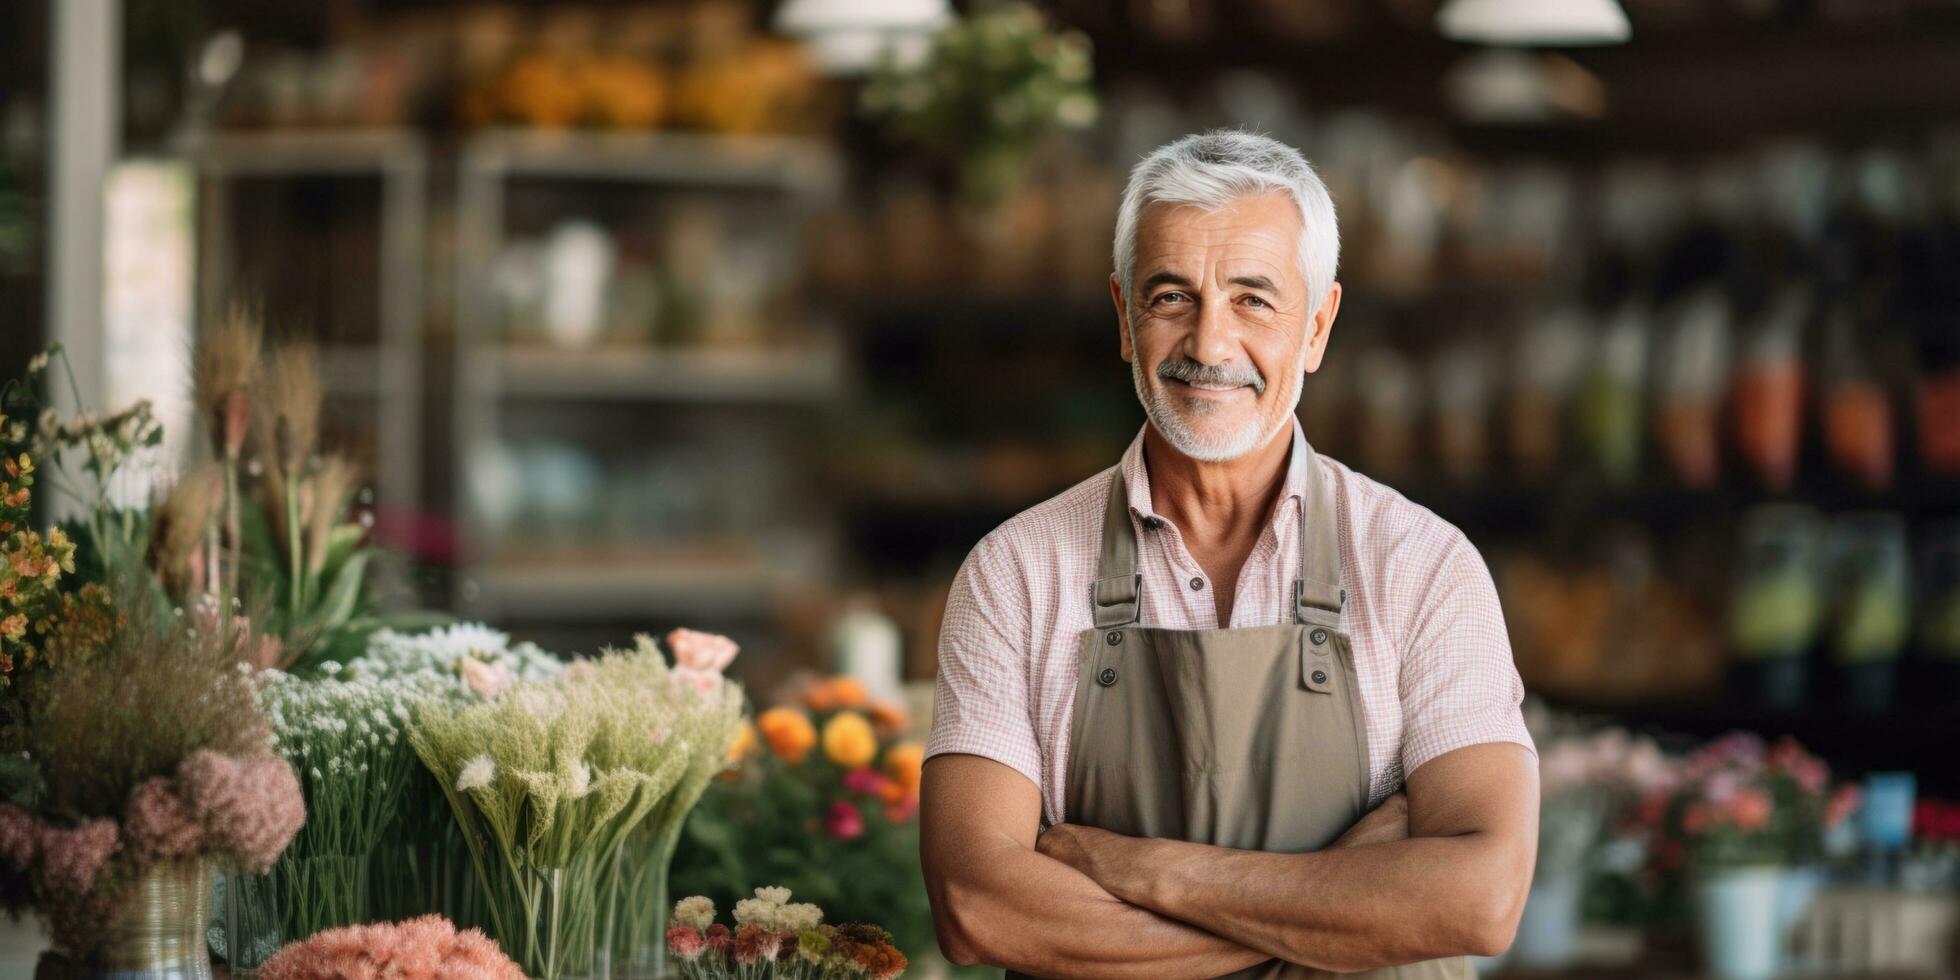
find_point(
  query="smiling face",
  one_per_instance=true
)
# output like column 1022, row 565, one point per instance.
column 1218, row 329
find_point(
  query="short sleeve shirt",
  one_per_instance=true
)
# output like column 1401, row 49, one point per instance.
column 1422, row 614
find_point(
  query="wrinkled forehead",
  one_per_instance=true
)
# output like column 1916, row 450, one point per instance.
column 1262, row 227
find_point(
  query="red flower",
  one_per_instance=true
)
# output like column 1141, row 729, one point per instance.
column 844, row 822
column 865, row 781
column 686, row 942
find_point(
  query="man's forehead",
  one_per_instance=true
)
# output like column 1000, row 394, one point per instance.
column 1253, row 226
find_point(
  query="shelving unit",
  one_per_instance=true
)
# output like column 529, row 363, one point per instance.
column 624, row 390
column 385, row 372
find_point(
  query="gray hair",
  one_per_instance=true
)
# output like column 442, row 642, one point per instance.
column 1209, row 170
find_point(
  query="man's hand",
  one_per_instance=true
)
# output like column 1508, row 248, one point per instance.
column 1384, row 824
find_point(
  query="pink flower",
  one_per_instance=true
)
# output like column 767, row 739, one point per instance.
column 865, row 781
column 20, row 836
column 1843, row 804
column 250, row 807
column 71, row 859
column 844, row 822
column 718, row 938
column 158, row 824
column 425, row 948
column 686, row 942
column 696, row 650
column 487, row 680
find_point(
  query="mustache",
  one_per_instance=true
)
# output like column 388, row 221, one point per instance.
column 1191, row 372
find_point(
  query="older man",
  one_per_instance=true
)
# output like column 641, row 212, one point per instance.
column 1228, row 706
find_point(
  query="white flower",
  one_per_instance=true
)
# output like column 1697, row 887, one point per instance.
column 755, row 911
column 799, row 917
column 581, row 781
column 774, row 895
column 38, row 363
column 697, row 911
column 476, row 774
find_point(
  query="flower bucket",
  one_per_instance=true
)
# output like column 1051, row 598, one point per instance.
column 159, row 932
column 1548, row 932
column 247, row 930
column 1739, row 918
column 1798, row 890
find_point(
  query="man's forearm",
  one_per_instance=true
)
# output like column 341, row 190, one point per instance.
column 1340, row 909
column 1036, row 915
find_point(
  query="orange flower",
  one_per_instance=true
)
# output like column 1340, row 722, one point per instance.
column 743, row 745
column 788, row 732
column 904, row 761
column 848, row 741
column 847, row 692
column 1751, row 808
column 890, row 719
column 817, row 696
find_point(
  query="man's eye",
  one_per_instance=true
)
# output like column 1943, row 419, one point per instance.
column 1167, row 297
column 1256, row 301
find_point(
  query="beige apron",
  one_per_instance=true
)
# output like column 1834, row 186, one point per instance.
column 1248, row 738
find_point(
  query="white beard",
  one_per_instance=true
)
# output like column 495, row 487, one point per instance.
column 1170, row 423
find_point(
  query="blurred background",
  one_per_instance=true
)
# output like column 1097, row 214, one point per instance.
column 755, row 315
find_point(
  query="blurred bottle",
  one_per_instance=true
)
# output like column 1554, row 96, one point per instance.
column 1871, row 606
column 1608, row 403
column 865, row 644
column 1776, row 607
column 1692, row 367
column 1857, row 410
column 1885, row 824
column 1550, row 355
column 1769, row 389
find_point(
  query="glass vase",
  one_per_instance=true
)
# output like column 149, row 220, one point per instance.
column 158, row 934
column 640, row 942
column 323, row 892
column 246, row 930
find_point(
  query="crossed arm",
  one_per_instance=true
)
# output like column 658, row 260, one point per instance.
column 1442, row 873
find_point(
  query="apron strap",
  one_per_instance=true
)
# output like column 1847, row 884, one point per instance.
column 1118, row 594
column 1317, row 594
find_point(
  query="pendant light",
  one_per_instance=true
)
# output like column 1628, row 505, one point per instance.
column 1553, row 23
column 848, row 36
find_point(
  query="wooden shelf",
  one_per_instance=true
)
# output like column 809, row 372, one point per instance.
column 703, row 375
column 567, row 587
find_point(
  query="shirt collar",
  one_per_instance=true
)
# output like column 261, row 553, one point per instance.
column 1136, row 476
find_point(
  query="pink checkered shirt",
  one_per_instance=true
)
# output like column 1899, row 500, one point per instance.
column 1427, row 631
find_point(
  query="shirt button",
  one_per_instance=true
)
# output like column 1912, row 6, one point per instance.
column 1197, row 583
column 1318, row 636
column 1154, row 523
column 1107, row 677
column 1320, row 677
column 1114, row 637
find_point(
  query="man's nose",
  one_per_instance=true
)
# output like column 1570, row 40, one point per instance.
column 1211, row 340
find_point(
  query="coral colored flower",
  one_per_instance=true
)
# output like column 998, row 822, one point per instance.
column 719, row 939
column 1695, row 819
column 788, row 732
column 1843, row 804
column 704, row 683
column 1751, row 809
column 695, row 650
column 686, row 942
column 903, row 810
column 748, row 944
column 905, row 761
column 848, row 740
column 843, row 821
column 425, row 948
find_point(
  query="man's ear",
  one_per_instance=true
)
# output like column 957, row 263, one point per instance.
column 1323, row 327
column 1122, row 318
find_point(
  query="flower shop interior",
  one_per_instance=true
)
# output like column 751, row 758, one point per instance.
column 406, row 400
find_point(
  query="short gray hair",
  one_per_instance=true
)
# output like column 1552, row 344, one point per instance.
column 1209, row 170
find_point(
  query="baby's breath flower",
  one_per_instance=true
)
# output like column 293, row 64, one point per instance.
column 476, row 774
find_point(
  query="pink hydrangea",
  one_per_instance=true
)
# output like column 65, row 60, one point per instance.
column 72, row 858
column 424, row 948
column 20, row 836
column 158, row 825
column 249, row 807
